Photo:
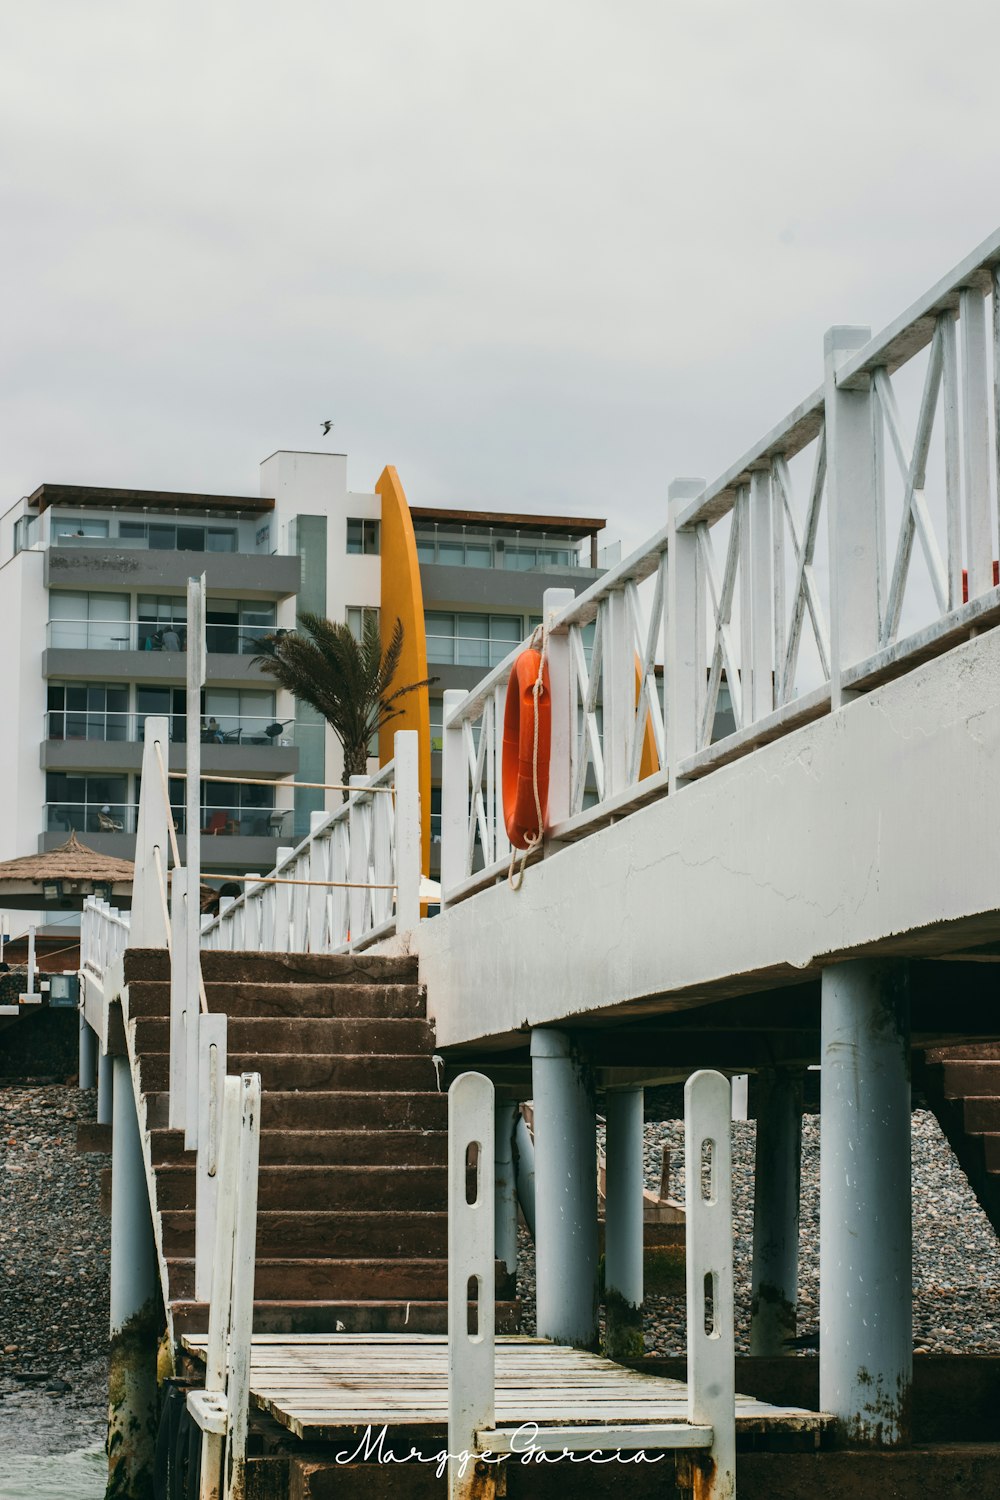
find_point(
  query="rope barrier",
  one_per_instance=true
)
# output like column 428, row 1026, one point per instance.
column 346, row 885
column 316, row 786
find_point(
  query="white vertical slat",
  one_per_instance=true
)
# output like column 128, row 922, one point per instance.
column 975, row 436
column 192, row 1018
column 408, row 832
column 743, row 515
column 299, row 902
column 778, row 573
column 454, row 798
column 212, row 1032
column 252, row 912
column 195, row 670
column 149, row 920
column 619, row 692
column 244, row 1258
column 761, row 586
column 281, row 904
column 711, row 1369
column 501, row 841
column 851, row 513
column 316, row 871
column 952, row 457
column 220, row 1303
column 471, row 1250
column 359, row 820
column 683, row 627
column 177, row 1097
column 563, row 714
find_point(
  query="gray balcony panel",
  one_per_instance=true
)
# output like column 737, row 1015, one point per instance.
column 126, row 755
column 497, row 589
column 243, row 575
column 221, row 852
column 145, row 666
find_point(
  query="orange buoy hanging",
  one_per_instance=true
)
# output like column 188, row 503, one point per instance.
column 527, row 736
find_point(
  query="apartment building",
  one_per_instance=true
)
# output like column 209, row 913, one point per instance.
column 93, row 583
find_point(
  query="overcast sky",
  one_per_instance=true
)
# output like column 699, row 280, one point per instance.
column 540, row 256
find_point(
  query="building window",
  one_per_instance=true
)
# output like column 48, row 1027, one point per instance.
column 437, row 724
column 87, row 804
column 358, row 616
column 163, row 537
column 87, row 711
column 468, row 640
column 363, row 537
column 71, row 528
column 90, row 622
column 241, row 716
column 25, row 533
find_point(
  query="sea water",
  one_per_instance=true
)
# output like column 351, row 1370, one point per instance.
column 82, row 1475
column 52, row 1444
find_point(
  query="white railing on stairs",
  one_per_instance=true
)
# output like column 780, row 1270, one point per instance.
column 354, row 880
column 104, row 932
column 836, row 553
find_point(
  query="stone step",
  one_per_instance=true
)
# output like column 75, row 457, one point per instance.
column 323, row 1034
column 399, row 1187
column 278, row 968
column 401, row 1316
column 307, row 1071
column 168, row 1146
column 307, row 1233
column 969, row 1077
column 982, row 1114
column 311, row 998
column 278, row 1279
column 326, row 1111
column 991, row 1151
column 334, row 1148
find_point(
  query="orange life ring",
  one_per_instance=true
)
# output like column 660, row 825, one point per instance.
column 520, row 812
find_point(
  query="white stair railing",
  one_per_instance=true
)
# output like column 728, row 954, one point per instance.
column 221, row 1409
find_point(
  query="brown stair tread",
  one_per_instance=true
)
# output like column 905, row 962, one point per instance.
column 276, row 1035
column 334, row 968
column 397, row 1186
column 340, row 1072
column 316, row 999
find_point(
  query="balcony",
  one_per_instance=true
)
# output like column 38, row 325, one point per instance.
column 244, row 837
column 100, row 563
column 88, row 741
column 151, row 650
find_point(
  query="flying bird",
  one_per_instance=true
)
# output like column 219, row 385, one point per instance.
column 326, row 427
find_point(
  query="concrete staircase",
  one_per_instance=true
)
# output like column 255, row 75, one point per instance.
column 962, row 1087
column 352, row 1209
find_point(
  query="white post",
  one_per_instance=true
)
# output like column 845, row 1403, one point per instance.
column 471, row 1380
column 31, row 958
column 566, row 1192
column 220, row 1302
column 148, row 927
column 976, row 441
column 281, row 902
column 623, row 1204
column 212, row 1031
column 618, row 682
column 852, row 513
column 711, row 1368
column 244, row 1262
column 454, row 799
column 760, row 584
column 554, row 601
column 683, row 648
column 190, row 956
column 406, row 758
column 359, row 815
column 866, row 1247
column 177, row 1099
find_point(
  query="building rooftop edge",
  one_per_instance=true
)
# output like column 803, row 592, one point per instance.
column 570, row 525
column 89, row 494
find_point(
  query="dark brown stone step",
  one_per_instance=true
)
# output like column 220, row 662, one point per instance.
column 343, row 1317
column 93, row 1137
column 278, row 1279
column 306, row 1233
column 168, row 1146
column 307, row 1071
column 398, row 1187
column 308, row 998
column 275, row 1035
column 982, row 1114
column 329, row 1148
column 327, row 1112
column 991, row 1152
column 967, row 1077
column 278, row 968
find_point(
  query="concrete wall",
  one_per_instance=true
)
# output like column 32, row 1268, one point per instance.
column 22, row 724
column 497, row 589
column 870, row 829
column 118, row 755
column 222, row 668
column 230, row 574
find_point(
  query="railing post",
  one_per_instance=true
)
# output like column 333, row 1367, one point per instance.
column 191, row 955
column 282, row 901
column 319, row 849
column 406, row 759
column 711, row 1369
column 454, row 799
column 683, row 646
column 618, row 682
column 179, row 1007
column 852, row 513
column 976, row 440
column 148, row 927
column 563, row 717
column 212, row 1030
column 244, row 1262
column 471, row 1275
column 761, row 586
column 359, row 815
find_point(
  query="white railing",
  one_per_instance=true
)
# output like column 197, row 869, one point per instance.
column 354, row 880
column 833, row 555
column 710, row 1428
column 103, row 934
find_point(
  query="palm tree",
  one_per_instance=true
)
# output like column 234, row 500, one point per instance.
column 346, row 680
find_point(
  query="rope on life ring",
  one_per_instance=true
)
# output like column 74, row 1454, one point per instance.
column 527, row 737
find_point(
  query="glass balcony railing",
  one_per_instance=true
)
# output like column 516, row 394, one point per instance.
column 467, row 650
column 120, row 817
column 226, row 729
column 152, row 635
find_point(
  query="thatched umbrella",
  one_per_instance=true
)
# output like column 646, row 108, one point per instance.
column 61, row 879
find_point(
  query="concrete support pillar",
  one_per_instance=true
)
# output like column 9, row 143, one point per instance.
column 135, row 1307
column 105, row 1090
column 505, row 1187
column 88, row 1054
column 866, row 1307
column 623, row 1225
column 524, row 1171
column 565, row 1192
column 778, row 1093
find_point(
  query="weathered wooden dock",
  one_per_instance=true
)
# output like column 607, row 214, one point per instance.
column 330, row 1387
